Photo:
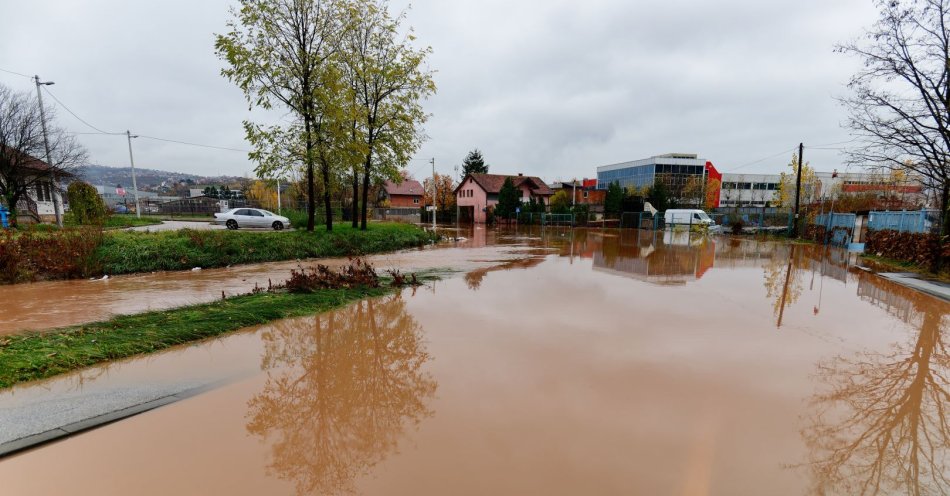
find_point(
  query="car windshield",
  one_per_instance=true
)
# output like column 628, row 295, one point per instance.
column 702, row 215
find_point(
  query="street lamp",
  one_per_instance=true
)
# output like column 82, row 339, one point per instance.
column 55, row 191
column 135, row 187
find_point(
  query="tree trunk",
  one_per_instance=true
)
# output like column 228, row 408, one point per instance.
column 364, row 206
column 944, row 229
column 311, row 200
column 326, row 195
column 355, row 209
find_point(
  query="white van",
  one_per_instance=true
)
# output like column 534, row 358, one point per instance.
column 687, row 217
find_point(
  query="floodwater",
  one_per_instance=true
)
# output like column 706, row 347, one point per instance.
column 600, row 362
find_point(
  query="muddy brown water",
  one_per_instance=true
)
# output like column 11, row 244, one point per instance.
column 617, row 363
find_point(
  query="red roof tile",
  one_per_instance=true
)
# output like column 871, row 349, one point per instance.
column 492, row 183
column 409, row 187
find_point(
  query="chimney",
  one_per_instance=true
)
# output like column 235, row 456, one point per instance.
column 520, row 175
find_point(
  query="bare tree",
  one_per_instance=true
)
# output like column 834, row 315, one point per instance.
column 21, row 145
column 900, row 102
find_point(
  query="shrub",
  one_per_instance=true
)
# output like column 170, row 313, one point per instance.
column 921, row 249
column 85, row 205
column 63, row 254
column 736, row 227
column 358, row 273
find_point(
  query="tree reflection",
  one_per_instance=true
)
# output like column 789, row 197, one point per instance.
column 341, row 389
column 473, row 278
column 881, row 425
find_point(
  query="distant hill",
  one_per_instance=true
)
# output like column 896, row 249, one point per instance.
column 147, row 179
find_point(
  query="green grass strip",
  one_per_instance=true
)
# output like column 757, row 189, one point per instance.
column 45, row 354
column 127, row 252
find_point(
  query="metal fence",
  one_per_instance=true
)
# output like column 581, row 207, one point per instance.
column 832, row 228
column 917, row 221
column 776, row 221
column 407, row 214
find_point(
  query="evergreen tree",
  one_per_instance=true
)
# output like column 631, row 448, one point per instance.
column 507, row 200
column 474, row 163
column 660, row 196
column 613, row 201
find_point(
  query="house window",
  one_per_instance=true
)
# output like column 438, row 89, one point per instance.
column 43, row 192
column 415, row 201
column 585, row 194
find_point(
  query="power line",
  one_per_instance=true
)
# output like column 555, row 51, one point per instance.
column 194, row 144
column 17, row 73
column 762, row 159
column 48, row 92
column 819, row 147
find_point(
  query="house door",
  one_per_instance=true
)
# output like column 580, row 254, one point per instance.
column 466, row 215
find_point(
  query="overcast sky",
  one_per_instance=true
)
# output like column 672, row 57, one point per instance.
column 552, row 88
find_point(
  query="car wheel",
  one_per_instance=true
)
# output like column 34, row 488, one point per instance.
column 232, row 224
column 278, row 225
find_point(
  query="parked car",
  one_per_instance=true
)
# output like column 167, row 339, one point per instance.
column 237, row 218
column 688, row 217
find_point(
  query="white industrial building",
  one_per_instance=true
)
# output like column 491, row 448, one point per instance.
column 761, row 190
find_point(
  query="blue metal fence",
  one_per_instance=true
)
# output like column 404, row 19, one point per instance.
column 839, row 228
column 916, row 221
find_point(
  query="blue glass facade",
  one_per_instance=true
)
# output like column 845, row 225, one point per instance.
column 636, row 176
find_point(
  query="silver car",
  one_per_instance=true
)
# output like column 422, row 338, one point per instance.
column 251, row 217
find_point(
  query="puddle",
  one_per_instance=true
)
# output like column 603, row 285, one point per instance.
column 595, row 363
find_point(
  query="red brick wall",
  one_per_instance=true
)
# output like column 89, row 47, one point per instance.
column 405, row 201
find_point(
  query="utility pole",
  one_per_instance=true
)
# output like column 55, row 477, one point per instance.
column 457, row 205
column 278, row 195
column 135, row 186
column 435, row 191
column 798, row 188
column 53, row 183
column 574, row 194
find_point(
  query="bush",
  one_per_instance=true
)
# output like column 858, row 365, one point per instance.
column 736, row 227
column 85, row 205
column 62, row 254
column 357, row 274
column 922, row 249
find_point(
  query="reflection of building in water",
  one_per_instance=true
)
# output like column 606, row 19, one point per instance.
column 667, row 258
column 895, row 299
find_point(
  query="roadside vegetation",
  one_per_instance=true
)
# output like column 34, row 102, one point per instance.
column 45, row 354
column 89, row 252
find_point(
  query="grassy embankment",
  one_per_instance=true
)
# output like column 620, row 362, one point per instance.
column 44, row 254
column 130, row 252
column 40, row 355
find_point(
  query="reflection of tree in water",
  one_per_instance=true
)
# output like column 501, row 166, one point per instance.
column 783, row 281
column 342, row 388
column 473, row 278
column 784, row 275
column 881, row 427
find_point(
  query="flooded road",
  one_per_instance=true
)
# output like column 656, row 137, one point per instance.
column 619, row 363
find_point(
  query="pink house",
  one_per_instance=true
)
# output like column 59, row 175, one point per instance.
column 478, row 193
